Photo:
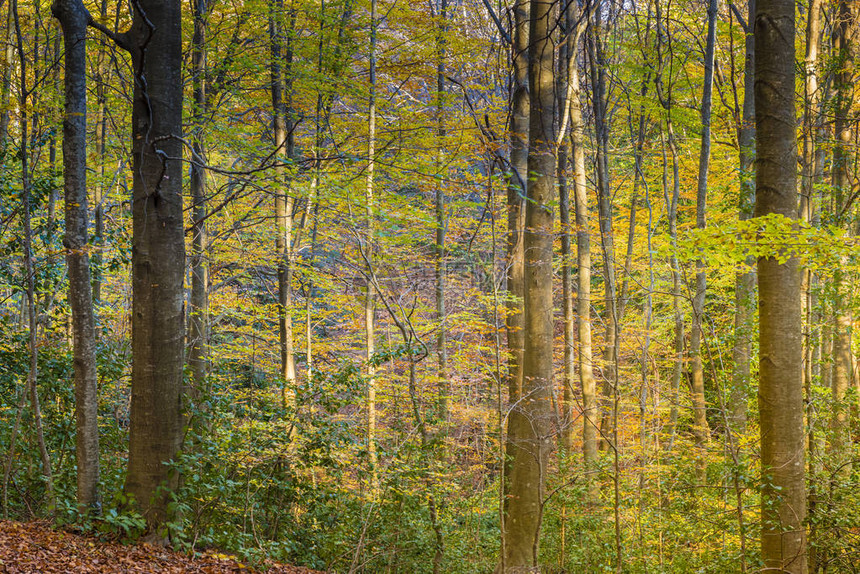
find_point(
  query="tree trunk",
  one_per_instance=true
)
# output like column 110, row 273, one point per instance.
column 516, row 195
column 604, row 213
column 29, row 269
column 439, row 248
column 566, row 59
column 530, row 421
column 783, row 538
column 744, row 282
column 102, row 72
column 284, row 203
column 73, row 19
column 158, row 259
column 198, row 324
column 843, row 158
column 700, row 421
column 585, row 361
column 369, row 300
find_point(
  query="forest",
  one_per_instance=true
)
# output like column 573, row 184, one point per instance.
column 448, row 286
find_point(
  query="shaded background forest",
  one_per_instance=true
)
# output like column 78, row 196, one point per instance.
column 350, row 164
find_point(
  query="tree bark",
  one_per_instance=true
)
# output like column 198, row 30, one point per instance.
column 73, row 18
column 158, row 259
column 783, row 539
column 284, row 202
column 369, row 300
column 530, row 420
column 585, row 360
column 700, row 420
column 29, row 269
column 198, row 324
column 844, row 49
column 745, row 281
column 439, row 248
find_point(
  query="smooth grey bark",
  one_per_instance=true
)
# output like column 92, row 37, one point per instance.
column 783, row 448
column 530, row 421
column 73, row 18
column 157, row 260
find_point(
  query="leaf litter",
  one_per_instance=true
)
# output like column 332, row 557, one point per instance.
column 36, row 548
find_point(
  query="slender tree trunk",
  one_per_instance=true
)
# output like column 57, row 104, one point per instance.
column 700, row 421
column 783, row 449
column 73, row 19
column 158, row 260
column 439, row 250
column 843, row 158
column 284, row 203
column 597, row 63
column 530, row 420
column 585, row 361
column 369, row 301
column 198, row 324
column 6, row 85
column 29, row 268
column 812, row 170
column 744, row 282
column 566, row 59
column 102, row 72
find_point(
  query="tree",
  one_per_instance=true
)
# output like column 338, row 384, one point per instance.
column 530, row 419
column 783, row 539
column 73, row 18
column 158, row 259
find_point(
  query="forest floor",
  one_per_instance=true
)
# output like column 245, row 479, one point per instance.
column 37, row 548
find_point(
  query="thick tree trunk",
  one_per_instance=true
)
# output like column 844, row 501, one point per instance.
column 516, row 195
column 158, row 259
column 530, row 421
column 783, row 538
column 73, row 19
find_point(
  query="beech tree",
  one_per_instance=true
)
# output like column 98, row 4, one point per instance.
column 530, row 419
column 74, row 18
column 158, row 259
column 780, row 395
